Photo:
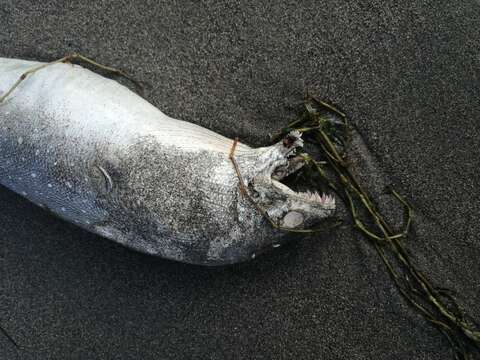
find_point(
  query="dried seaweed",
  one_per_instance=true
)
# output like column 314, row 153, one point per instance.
column 69, row 59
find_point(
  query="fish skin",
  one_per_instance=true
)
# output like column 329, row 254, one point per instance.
column 96, row 154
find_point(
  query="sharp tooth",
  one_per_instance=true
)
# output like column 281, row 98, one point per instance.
column 329, row 200
column 316, row 197
column 296, row 133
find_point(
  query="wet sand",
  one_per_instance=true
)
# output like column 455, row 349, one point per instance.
column 407, row 76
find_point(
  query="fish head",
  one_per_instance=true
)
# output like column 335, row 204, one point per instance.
column 265, row 168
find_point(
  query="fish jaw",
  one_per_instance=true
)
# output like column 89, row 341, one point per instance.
column 289, row 209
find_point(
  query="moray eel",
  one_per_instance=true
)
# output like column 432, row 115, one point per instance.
column 97, row 155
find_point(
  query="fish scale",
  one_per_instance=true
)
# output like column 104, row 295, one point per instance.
column 25, row 172
column 100, row 156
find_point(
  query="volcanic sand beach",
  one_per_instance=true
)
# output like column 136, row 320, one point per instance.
column 408, row 77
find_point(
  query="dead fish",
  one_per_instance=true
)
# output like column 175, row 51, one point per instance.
column 98, row 155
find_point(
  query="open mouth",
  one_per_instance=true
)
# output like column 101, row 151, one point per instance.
column 307, row 196
column 290, row 208
column 294, row 163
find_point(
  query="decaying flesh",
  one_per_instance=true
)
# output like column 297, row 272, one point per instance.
column 96, row 154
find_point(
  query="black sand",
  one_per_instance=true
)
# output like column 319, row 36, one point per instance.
column 407, row 75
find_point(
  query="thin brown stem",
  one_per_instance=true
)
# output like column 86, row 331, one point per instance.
column 68, row 58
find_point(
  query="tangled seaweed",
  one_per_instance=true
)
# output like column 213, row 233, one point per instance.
column 437, row 305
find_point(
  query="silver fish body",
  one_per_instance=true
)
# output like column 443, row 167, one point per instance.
column 96, row 154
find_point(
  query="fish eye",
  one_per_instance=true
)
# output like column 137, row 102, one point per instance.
column 293, row 219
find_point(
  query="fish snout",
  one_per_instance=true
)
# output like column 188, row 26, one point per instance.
column 266, row 170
